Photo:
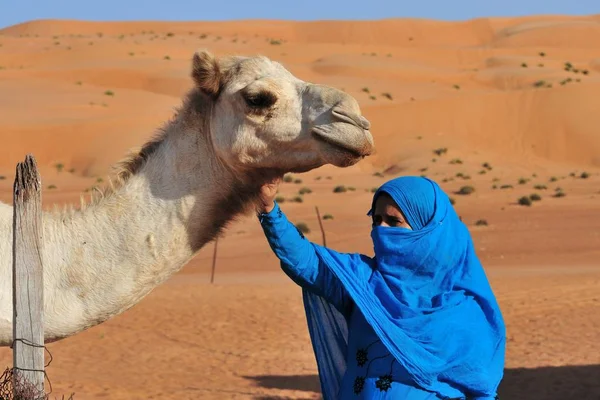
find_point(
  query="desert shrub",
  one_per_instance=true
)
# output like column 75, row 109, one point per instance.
column 302, row 227
column 494, row 186
column 59, row 167
column 373, row 97
column 305, row 190
column 288, row 178
column 524, row 201
column 2, row 177
column 387, row 95
column 540, row 187
column 452, row 200
column 317, row 178
column 378, row 174
column 486, row 166
column 535, row 197
column 466, row 190
column 297, row 181
column 542, row 54
column 584, row 175
column 456, row 161
column 523, row 181
column 482, row 172
column 109, row 93
column 481, row 222
column 51, row 186
column 327, row 216
column 559, row 193
column 351, row 188
column 553, row 179
column 170, row 34
column 540, row 83
column 167, row 57
column 524, row 65
column 99, row 180
column 440, row 151
column 280, row 199
column 365, row 89
column 275, row 42
column 297, row 199
column 339, row 189
column 374, row 189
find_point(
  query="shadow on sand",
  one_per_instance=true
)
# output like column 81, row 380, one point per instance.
column 545, row 383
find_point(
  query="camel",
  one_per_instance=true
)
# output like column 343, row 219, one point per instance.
column 244, row 121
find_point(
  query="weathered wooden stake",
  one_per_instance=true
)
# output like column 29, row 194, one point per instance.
column 214, row 263
column 321, row 226
column 28, row 294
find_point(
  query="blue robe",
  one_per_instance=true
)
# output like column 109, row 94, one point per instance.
column 417, row 321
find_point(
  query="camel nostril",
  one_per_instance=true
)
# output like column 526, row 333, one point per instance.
column 366, row 125
column 350, row 117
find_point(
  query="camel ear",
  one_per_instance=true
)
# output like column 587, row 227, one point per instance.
column 206, row 73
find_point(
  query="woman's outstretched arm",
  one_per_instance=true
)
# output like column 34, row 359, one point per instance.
column 300, row 260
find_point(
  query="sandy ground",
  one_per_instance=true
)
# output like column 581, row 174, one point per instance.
column 496, row 91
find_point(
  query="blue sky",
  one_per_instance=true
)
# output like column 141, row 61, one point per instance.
column 15, row 11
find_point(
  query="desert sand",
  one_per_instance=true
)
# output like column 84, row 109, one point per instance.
column 512, row 101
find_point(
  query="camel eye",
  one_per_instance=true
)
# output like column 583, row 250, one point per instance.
column 260, row 100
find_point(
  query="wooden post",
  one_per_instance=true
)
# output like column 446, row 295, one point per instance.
column 28, row 294
column 214, row 263
column 321, row 226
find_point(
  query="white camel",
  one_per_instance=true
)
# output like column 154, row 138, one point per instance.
column 245, row 120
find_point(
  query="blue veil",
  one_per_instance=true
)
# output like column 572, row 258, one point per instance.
column 427, row 298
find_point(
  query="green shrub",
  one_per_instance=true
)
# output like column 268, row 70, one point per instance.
column 540, row 187
column 525, row 201
column 584, row 175
column 535, row 197
column 288, row 178
column 305, row 190
column 559, row 193
column 339, row 189
column 280, row 199
column 302, row 227
column 327, row 216
column 465, row 190
column 297, row 199
column 481, row 222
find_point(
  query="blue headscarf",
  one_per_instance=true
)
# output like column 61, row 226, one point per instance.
column 426, row 296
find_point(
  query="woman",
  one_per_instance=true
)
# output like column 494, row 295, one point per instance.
column 417, row 321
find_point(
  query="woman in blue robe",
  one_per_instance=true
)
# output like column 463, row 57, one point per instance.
column 417, row 321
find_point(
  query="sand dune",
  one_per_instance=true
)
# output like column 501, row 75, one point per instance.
column 512, row 100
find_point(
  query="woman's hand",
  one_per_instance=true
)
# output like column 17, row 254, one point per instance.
column 268, row 192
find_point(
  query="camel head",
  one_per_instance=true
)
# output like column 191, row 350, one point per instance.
column 263, row 117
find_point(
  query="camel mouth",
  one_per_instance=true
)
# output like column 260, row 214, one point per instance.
column 325, row 137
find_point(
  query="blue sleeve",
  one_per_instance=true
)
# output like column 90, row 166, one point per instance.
column 301, row 262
